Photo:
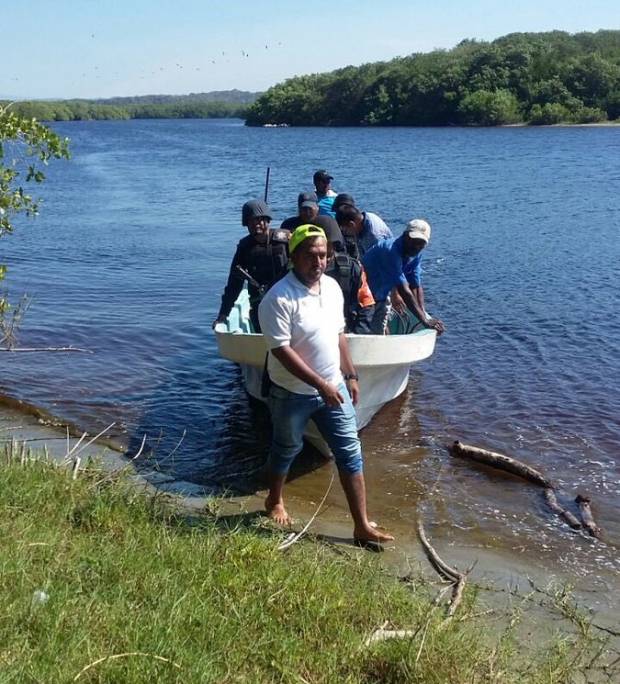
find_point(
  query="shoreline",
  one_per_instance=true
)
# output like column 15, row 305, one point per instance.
column 495, row 568
column 521, row 124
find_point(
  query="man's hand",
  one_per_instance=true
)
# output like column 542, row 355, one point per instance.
column 354, row 391
column 398, row 303
column 436, row 324
column 331, row 395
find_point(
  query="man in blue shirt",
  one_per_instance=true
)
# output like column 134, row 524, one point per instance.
column 364, row 227
column 395, row 263
column 326, row 196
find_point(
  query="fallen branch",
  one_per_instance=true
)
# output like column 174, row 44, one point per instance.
column 495, row 460
column 457, row 596
column 46, row 349
column 586, row 515
column 442, row 568
column 385, row 634
column 295, row 538
column 124, row 655
column 562, row 512
column 458, row 579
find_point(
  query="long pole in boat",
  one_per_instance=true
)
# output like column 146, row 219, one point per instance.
column 267, row 183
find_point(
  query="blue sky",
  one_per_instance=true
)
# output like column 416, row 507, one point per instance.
column 102, row 48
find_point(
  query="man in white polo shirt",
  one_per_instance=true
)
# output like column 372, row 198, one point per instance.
column 313, row 377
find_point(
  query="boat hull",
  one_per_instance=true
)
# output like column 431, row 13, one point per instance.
column 381, row 361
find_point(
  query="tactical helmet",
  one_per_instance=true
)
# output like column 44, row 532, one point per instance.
column 253, row 209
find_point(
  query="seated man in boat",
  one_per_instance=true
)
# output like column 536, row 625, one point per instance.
column 396, row 263
column 326, row 196
column 364, row 228
column 261, row 259
column 308, row 213
column 313, row 377
column 359, row 304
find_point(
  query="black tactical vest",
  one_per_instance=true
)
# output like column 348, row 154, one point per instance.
column 267, row 263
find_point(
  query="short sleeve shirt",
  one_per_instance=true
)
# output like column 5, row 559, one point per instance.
column 326, row 204
column 310, row 323
column 374, row 228
column 386, row 268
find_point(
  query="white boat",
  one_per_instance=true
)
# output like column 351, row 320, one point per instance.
column 381, row 361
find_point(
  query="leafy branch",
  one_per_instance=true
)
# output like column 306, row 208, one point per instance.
column 26, row 147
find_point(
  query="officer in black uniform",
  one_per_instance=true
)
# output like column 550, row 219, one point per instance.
column 261, row 259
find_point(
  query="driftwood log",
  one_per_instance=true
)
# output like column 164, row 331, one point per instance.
column 495, row 460
column 586, row 515
column 562, row 512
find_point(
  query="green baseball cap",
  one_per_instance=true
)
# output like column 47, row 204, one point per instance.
column 301, row 233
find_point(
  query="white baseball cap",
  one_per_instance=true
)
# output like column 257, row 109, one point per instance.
column 418, row 229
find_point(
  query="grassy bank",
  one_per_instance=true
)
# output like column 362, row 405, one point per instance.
column 93, row 568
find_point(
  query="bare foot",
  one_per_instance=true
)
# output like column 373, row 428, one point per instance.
column 277, row 512
column 371, row 534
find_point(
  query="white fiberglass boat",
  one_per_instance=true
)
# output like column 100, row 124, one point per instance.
column 381, row 361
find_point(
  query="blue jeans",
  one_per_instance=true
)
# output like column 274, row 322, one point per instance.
column 290, row 412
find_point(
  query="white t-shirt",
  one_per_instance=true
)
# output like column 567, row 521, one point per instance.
column 310, row 323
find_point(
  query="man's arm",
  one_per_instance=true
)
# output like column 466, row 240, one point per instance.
column 411, row 300
column 418, row 293
column 398, row 303
column 347, row 367
column 294, row 364
column 232, row 290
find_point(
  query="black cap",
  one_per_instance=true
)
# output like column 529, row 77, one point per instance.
column 342, row 199
column 253, row 209
column 322, row 174
column 306, row 199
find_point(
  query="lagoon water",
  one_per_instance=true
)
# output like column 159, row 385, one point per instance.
column 131, row 252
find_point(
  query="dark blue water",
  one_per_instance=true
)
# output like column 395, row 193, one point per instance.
column 132, row 248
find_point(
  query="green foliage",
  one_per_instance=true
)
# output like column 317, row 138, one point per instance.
column 613, row 105
column 586, row 115
column 133, row 108
column 26, row 147
column 93, row 568
column 549, row 113
column 485, row 108
column 477, row 83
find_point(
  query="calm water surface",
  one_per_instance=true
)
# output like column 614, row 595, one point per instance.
column 131, row 251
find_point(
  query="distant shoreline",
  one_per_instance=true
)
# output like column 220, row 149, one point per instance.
column 599, row 124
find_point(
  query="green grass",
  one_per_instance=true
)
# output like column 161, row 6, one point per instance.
column 126, row 573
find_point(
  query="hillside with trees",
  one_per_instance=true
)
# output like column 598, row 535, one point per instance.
column 216, row 104
column 534, row 78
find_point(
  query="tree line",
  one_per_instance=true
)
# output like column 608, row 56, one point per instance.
column 87, row 110
column 535, row 78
